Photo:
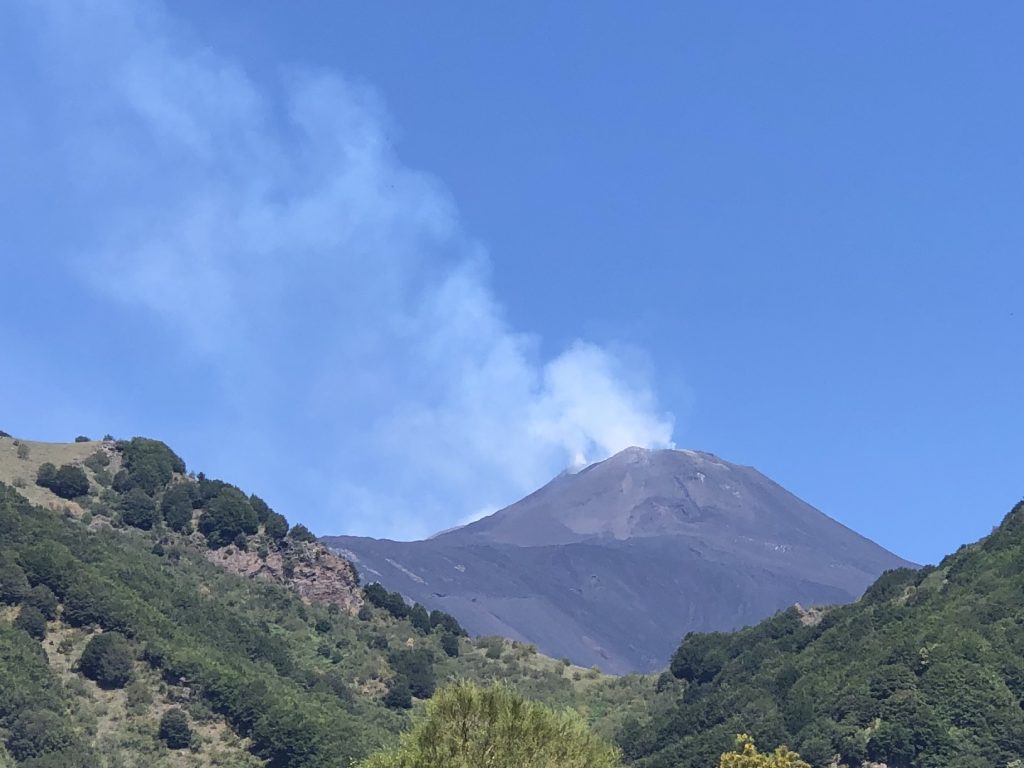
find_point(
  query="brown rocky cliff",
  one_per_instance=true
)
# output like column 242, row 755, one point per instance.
column 309, row 568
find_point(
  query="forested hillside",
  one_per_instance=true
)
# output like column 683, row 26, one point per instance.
column 927, row 669
column 133, row 631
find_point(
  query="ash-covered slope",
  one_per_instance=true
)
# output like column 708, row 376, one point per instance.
column 611, row 566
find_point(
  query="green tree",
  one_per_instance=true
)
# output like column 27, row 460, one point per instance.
column 176, row 508
column 227, row 514
column 13, row 583
column 107, row 660
column 419, row 618
column 149, row 464
column 174, row 729
column 138, row 510
column 32, row 621
column 37, row 733
column 747, row 756
column 301, row 533
column 466, row 726
column 275, row 526
column 68, row 481
column 450, row 644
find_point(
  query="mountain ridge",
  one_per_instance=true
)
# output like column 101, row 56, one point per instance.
column 613, row 564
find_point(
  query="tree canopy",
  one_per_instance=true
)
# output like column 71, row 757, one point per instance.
column 467, row 726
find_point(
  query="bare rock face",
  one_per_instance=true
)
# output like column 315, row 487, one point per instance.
column 613, row 565
column 312, row 570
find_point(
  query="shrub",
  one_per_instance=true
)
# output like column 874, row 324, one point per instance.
column 138, row 510
column 174, row 729
column 97, row 461
column 419, row 618
column 67, row 482
column 23, row 451
column 41, row 598
column 107, row 660
column 13, row 583
column 37, row 733
column 275, row 526
column 82, row 439
column 32, row 621
column 176, row 508
column 398, row 696
column 747, row 756
column 150, row 464
column 227, row 514
column 447, row 623
column 301, row 533
column 450, row 645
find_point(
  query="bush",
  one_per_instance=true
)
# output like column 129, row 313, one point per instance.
column 37, row 733
column 275, row 526
column 41, row 598
column 450, row 645
column 174, row 729
column 398, row 696
column 138, row 510
column 150, row 464
column 13, row 583
column 97, row 461
column 67, row 482
column 301, row 533
column 176, row 508
column 107, row 660
column 82, row 439
column 23, row 451
column 419, row 618
column 32, row 621
column 227, row 515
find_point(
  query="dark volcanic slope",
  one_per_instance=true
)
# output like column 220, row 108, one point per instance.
column 612, row 566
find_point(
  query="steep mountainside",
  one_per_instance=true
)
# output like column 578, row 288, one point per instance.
column 926, row 670
column 611, row 566
column 197, row 599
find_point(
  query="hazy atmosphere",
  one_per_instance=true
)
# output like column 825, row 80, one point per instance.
column 396, row 266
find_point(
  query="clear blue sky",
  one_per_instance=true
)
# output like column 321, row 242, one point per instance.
column 392, row 264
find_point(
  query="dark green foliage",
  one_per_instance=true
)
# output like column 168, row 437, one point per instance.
column 301, row 533
column 392, row 602
column 13, row 583
column 82, row 439
column 445, row 622
column 97, row 461
column 138, row 510
column 107, row 660
column 275, row 526
column 227, row 515
column 260, row 507
column 926, row 670
column 399, row 695
column 365, row 613
column 419, row 618
column 46, row 474
column 68, row 481
column 36, row 733
column 416, row 666
column 176, row 508
column 32, row 621
column 450, row 645
column 148, row 464
column 174, row 729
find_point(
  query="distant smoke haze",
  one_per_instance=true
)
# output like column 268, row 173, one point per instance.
column 342, row 312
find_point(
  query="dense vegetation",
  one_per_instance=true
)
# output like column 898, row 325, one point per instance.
column 114, row 615
column 926, row 670
column 466, row 726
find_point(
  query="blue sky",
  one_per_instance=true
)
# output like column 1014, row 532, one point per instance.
column 393, row 265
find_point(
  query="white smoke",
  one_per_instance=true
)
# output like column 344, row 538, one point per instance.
column 332, row 291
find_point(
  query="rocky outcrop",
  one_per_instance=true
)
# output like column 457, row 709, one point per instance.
column 312, row 570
